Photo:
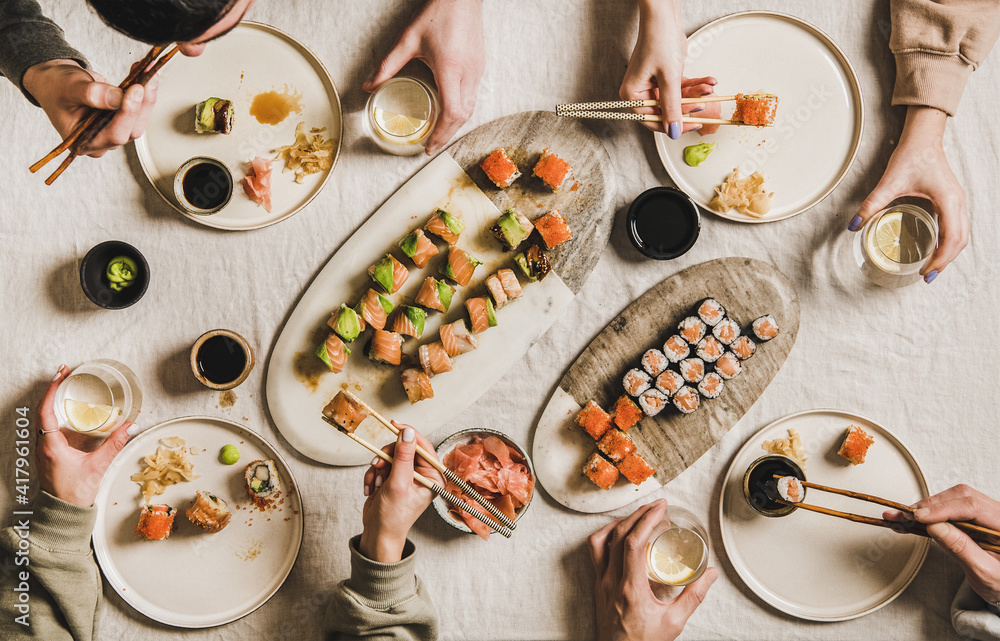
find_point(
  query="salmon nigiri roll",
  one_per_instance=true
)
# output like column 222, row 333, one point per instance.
column 333, row 353
column 511, row 286
column 417, row 385
column 389, row 273
column 495, row 288
column 409, row 321
column 435, row 294
column 457, row 339
column 448, row 227
column 434, row 359
column 374, row 308
column 419, row 248
column 385, row 347
column 481, row 314
column 345, row 412
column 460, row 266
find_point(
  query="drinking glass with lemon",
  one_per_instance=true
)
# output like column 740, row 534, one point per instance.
column 401, row 115
column 677, row 552
column 97, row 398
column 894, row 245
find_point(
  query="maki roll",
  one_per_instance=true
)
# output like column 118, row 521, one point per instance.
column 409, row 321
column 692, row 329
column 500, row 169
column 553, row 230
column 635, row 469
column 482, row 316
column 686, row 400
column 209, row 512
column 654, row 362
column 417, row 385
column 855, row 445
column 728, row 367
column 512, row 228
column 333, row 353
column 594, row 420
column 156, row 522
column 460, row 266
column 385, row 347
column 765, row 328
column 435, row 294
column 495, row 287
column 418, row 248
column 343, row 411
column 669, row 382
column 636, row 382
column 711, row 311
column 743, row 347
column 457, row 339
column 214, row 116
column 791, row 489
column 711, row 386
column 652, row 401
column 692, row 369
column 676, row 349
column 447, row 227
column 389, row 274
column 552, row 170
column 626, row 413
column 262, row 482
column 726, row 331
column 710, row 349
column 374, row 308
column 616, row 445
column 511, row 286
column 346, row 323
column 534, row 263
column 434, row 359
column 602, row 473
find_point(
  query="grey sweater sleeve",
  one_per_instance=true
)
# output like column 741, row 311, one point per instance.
column 57, row 574
column 28, row 38
column 972, row 617
column 382, row 601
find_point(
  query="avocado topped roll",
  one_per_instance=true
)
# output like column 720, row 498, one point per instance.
column 512, row 228
column 262, row 482
column 214, row 116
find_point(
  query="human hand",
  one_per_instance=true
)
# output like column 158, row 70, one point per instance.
column 919, row 167
column 627, row 609
column 395, row 500
column 447, row 35
column 63, row 471
column 66, row 92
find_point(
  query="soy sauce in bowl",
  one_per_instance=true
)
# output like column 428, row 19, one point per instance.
column 203, row 185
column 663, row 223
column 221, row 359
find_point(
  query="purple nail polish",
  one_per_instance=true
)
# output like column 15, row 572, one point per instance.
column 931, row 275
column 855, row 223
column 674, row 130
column 694, row 111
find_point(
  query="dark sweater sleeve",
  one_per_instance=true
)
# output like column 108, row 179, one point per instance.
column 28, row 38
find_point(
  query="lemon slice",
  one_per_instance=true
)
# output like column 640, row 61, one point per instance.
column 669, row 569
column 887, row 233
column 87, row 417
column 398, row 124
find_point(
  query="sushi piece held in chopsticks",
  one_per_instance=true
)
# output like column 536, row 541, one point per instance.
column 495, row 287
column 457, row 339
column 500, row 169
column 728, row 366
column 209, row 512
column 636, row 381
column 214, row 116
column 692, row 369
column 616, row 444
column 602, row 473
column 855, row 445
column 791, row 489
column 758, row 110
column 692, row 329
column 533, row 263
column 435, row 294
column 553, row 229
column 461, row 266
column 345, row 412
column 710, row 349
column 654, row 362
column 686, row 400
column 373, row 308
column 434, row 359
column 594, row 420
column 446, row 226
column 669, row 382
column 346, row 323
column 635, row 468
column 418, row 248
column 156, row 522
column 482, row 316
column 511, row 286
column 417, row 385
column 262, row 481
column 652, row 401
column 512, row 228
column 409, row 321
column 333, row 353
column 711, row 311
column 389, row 274
column 726, row 331
column 552, row 170
column 626, row 413
column 385, row 347
column 676, row 349
column 711, row 386
column 765, row 328
column 743, row 347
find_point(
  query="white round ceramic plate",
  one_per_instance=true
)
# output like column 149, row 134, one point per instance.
column 819, row 567
column 819, row 123
column 195, row 579
column 252, row 59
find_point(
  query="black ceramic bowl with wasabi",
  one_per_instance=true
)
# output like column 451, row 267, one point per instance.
column 114, row 275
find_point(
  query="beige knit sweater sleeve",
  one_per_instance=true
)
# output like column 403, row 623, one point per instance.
column 938, row 44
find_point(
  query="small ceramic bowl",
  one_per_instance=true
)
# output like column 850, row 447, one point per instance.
column 759, row 484
column 238, row 342
column 663, row 223
column 462, row 438
column 213, row 195
column 94, row 278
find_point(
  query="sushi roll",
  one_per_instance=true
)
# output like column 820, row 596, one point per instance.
column 552, row 170
column 728, row 366
column 495, row 287
column 214, row 116
column 594, row 420
column 756, row 109
column 482, row 316
column 616, row 445
column 457, row 339
column 461, row 266
column 635, row 469
column 262, row 482
column 447, row 227
column 385, row 347
column 626, row 413
column 435, row 294
column 373, row 308
column 652, row 401
column 209, row 512
column 533, row 263
column 603, row 474
column 417, row 385
column 333, row 353
column 855, row 445
column 500, row 169
column 156, row 522
column 636, row 382
column 389, row 274
column 743, row 347
column 692, row 329
column 686, row 400
column 711, row 386
column 512, row 228
column 710, row 349
column 344, row 411
column 765, row 328
column 676, row 349
column 346, row 323
column 692, row 369
column 654, row 362
column 726, row 331
column 418, row 248
column 553, row 230
column 511, row 286
column 434, row 359
column 669, row 382
column 791, row 489
column 409, row 321
column 711, row 311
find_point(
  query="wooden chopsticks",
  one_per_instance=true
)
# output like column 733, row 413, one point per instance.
column 599, row 110
column 95, row 122
column 426, row 482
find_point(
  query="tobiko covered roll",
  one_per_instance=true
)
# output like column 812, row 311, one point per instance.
column 553, row 229
column 500, row 169
column 156, row 522
column 552, row 170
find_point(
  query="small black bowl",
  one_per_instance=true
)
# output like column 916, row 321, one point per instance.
column 663, row 223
column 94, row 280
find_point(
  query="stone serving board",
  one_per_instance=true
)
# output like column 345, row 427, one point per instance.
column 298, row 386
column 671, row 442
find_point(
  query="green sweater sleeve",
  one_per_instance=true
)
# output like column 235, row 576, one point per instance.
column 58, row 573
column 28, row 38
column 382, row 601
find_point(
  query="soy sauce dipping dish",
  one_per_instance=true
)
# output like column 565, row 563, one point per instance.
column 203, row 186
column 221, row 359
column 760, row 487
column 663, row 223
column 94, row 278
